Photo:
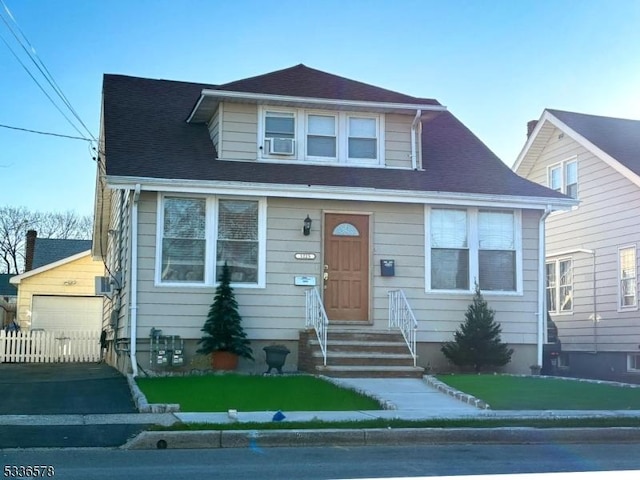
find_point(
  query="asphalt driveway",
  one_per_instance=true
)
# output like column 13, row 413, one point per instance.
column 63, row 388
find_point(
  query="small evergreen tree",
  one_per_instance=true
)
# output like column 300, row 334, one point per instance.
column 477, row 341
column 223, row 329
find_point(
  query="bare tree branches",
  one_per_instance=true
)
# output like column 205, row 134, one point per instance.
column 16, row 221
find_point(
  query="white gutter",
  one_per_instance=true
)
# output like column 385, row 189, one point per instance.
column 269, row 98
column 133, row 305
column 542, row 297
column 322, row 192
column 414, row 147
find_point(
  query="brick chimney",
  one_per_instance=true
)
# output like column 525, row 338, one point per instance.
column 29, row 249
column 531, row 126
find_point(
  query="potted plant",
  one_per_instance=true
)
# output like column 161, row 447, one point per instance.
column 224, row 338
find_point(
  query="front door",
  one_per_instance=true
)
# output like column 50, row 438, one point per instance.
column 346, row 267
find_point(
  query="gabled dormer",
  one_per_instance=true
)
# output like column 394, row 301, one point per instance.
column 301, row 115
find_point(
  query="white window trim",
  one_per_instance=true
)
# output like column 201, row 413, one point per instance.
column 312, row 158
column 633, row 307
column 474, row 248
column 629, row 363
column 301, row 132
column 563, row 168
column 211, row 236
column 556, row 266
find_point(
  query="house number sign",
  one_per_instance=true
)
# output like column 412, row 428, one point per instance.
column 305, row 256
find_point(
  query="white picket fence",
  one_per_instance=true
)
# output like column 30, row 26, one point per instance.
column 49, row 347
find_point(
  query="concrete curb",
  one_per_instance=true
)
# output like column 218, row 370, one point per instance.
column 143, row 405
column 457, row 394
column 256, row 439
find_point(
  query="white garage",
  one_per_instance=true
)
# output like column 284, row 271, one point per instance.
column 65, row 312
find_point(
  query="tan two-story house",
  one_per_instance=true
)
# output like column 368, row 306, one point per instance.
column 336, row 204
column 592, row 260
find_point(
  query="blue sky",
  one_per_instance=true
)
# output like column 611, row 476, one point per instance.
column 494, row 63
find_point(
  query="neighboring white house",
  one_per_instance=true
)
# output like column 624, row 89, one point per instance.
column 592, row 250
column 399, row 194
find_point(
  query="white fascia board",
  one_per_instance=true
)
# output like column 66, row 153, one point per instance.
column 322, row 192
column 530, row 141
column 16, row 280
column 269, row 98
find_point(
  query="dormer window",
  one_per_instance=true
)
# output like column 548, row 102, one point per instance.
column 363, row 134
column 320, row 136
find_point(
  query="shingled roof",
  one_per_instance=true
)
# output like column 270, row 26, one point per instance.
column 302, row 81
column 618, row 137
column 145, row 135
column 50, row 250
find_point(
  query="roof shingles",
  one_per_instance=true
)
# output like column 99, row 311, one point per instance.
column 618, row 137
column 146, row 135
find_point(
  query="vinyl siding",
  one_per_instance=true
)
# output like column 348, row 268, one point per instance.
column 118, row 260
column 605, row 220
column 234, row 129
column 397, row 138
column 277, row 311
column 238, row 131
column 214, row 129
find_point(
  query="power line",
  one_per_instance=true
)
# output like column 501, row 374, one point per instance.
column 38, row 84
column 33, row 56
column 45, row 133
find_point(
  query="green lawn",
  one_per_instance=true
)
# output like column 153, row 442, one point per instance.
column 505, row 392
column 252, row 393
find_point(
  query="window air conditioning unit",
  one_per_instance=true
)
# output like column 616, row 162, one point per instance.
column 103, row 286
column 281, row 146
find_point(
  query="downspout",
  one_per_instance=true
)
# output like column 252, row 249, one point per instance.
column 414, row 147
column 133, row 305
column 542, row 298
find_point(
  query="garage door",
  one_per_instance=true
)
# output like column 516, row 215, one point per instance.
column 66, row 313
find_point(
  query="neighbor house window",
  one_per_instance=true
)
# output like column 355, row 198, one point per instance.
column 497, row 250
column 633, row 362
column 183, row 240
column 563, row 177
column 238, row 244
column 449, row 250
column 560, row 286
column 193, row 231
column 627, row 277
column 321, row 136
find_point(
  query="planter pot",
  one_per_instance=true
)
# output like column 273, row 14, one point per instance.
column 276, row 356
column 224, row 361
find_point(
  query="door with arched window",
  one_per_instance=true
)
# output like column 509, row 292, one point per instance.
column 346, row 267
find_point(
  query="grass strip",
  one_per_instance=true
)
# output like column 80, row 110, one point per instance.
column 506, row 392
column 594, row 422
column 253, row 393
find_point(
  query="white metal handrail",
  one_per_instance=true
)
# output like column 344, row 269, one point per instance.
column 401, row 316
column 316, row 317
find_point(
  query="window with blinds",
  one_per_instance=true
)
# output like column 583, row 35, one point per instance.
column 497, row 251
column 449, row 250
column 238, row 243
column 183, row 240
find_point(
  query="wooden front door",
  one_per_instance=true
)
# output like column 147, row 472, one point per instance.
column 346, row 267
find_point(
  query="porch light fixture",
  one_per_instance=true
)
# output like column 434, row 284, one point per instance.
column 306, row 229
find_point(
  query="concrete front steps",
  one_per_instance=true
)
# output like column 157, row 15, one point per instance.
column 353, row 353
